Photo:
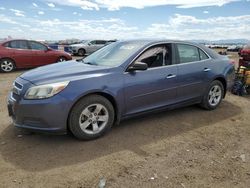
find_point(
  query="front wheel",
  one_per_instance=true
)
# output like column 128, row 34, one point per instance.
column 213, row 96
column 91, row 117
column 61, row 59
column 81, row 52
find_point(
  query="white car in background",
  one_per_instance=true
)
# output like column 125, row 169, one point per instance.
column 87, row 47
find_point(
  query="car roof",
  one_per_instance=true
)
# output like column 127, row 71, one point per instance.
column 9, row 40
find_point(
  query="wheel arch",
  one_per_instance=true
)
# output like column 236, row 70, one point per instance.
column 224, row 83
column 106, row 95
column 61, row 56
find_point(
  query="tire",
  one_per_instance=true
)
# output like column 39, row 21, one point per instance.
column 213, row 96
column 61, row 59
column 81, row 52
column 7, row 65
column 96, row 116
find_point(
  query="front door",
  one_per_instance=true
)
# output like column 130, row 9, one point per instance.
column 154, row 87
column 40, row 54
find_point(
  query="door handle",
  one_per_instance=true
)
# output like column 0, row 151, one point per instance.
column 206, row 69
column 171, row 76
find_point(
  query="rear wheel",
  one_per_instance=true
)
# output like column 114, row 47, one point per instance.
column 7, row 65
column 81, row 52
column 91, row 117
column 213, row 97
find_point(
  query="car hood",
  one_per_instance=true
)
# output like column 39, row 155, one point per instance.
column 64, row 71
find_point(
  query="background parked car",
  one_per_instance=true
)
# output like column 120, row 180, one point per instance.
column 89, row 46
column 27, row 53
column 234, row 48
column 245, row 56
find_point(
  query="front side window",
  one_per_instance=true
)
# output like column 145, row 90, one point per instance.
column 203, row 56
column 37, row 46
column 157, row 56
column 18, row 44
column 188, row 53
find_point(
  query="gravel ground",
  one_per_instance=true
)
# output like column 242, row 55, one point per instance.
column 187, row 147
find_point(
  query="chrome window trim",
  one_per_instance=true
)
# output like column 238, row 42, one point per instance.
column 159, row 43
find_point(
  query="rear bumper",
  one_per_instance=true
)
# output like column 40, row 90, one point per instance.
column 48, row 115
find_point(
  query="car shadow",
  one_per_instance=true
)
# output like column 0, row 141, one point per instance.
column 39, row 152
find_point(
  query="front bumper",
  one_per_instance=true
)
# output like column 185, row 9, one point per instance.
column 46, row 115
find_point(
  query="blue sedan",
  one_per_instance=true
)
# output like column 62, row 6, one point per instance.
column 124, row 79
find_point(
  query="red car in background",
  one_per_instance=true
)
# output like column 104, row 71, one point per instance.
column 245, row 56
column 27, row 53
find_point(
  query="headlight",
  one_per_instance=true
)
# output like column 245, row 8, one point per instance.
column 45, row 91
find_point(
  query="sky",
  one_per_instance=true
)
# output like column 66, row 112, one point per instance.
column 125, row 19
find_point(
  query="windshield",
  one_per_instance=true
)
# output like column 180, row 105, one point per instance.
column 85, row 41
column 113, row 54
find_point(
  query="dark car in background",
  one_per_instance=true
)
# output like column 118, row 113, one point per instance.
column 245, row 56
column 121, row 80
column 27, row 54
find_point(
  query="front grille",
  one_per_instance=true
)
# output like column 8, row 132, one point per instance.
column 18, row 85
column 17, row 88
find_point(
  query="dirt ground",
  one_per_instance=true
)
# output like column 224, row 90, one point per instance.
column 187, row 147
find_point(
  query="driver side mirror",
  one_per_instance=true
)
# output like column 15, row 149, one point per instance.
column 138, row 66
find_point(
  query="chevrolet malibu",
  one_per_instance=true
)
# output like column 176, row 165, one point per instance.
column 122, row 80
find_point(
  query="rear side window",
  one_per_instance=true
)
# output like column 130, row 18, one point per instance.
column 18, row 44
column 203, row 56
column 37, row 46
column 188, row 53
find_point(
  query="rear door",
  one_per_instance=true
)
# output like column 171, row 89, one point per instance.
column 20, row 52
column 92, row 47
column 154, row 87
column 193, row 65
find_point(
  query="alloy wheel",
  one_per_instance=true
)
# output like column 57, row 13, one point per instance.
column 93, row 118
column 215, row 95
